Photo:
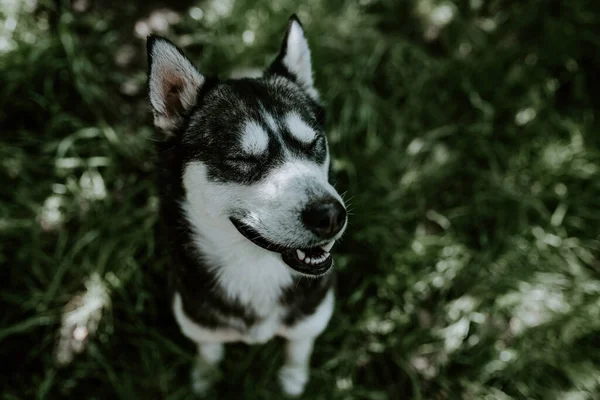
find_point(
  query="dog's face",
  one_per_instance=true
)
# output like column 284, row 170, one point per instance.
column 255, row 154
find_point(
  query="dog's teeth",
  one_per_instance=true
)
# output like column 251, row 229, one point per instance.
column 324, row 257
column 315, row 260
column 319, row 260
column 328, row 246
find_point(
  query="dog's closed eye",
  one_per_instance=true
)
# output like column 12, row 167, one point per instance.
column 248, row 159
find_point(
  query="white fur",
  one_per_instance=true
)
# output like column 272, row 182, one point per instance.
column 297, row 59
column 212, row 353
column 266, row 329
column 293, row 375
column 170, row 68
column 299, row 129
column 245, row 271
column 254, row 138
column 205, row 367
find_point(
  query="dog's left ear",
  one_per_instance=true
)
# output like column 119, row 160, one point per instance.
column 293, row 60
column 173, row 84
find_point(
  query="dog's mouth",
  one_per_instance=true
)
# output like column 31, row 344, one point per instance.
column 313, row 261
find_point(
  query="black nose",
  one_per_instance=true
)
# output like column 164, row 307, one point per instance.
column 325, row 218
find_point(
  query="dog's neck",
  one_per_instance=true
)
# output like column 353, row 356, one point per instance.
column 246, row 272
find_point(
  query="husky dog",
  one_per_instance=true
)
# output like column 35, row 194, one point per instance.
column 246, row 206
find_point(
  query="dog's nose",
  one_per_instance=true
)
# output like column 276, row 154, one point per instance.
column 325, row 218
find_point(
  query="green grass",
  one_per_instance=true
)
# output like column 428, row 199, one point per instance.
column 471, row 152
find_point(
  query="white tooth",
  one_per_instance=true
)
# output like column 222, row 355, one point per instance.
column 301, row 254
column 328, row 246
column 319, row 260
column 326, row 255
column 307, row 260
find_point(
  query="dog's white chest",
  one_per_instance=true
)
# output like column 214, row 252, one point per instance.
column 264, row 330
column 257, row 282
column 245, row 274
column 255, row 279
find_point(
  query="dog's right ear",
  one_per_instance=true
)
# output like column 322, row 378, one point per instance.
column 173, row 83
column 293, row 60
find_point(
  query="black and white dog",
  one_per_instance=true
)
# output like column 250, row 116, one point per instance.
column 246, row 204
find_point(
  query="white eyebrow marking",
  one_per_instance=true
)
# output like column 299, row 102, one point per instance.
column 254, row 138
column 299, row 129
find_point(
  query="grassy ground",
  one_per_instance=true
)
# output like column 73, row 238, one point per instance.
column 465, row 132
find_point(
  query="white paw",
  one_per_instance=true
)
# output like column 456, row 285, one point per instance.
column 201, row 386
column 260, row 334
column 293, row 379
column 203, row 376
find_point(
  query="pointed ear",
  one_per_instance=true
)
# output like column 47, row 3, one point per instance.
column 173, row 83
column 293, row 60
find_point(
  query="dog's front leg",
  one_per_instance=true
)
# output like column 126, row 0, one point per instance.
column 294, row 373
column 300, row 340
column 205, row 370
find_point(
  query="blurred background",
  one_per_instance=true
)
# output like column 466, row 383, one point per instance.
column 466, row 136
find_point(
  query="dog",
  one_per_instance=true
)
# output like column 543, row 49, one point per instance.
column 246, row 207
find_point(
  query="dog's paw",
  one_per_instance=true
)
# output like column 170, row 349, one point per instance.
column 203, row 376
column 293, row 379
column 261, row 333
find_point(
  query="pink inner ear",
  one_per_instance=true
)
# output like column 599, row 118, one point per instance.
column 173, row 86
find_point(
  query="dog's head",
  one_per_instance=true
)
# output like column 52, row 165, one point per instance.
column 255, row 156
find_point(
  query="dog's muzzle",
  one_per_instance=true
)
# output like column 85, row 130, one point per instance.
column 313, row 261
